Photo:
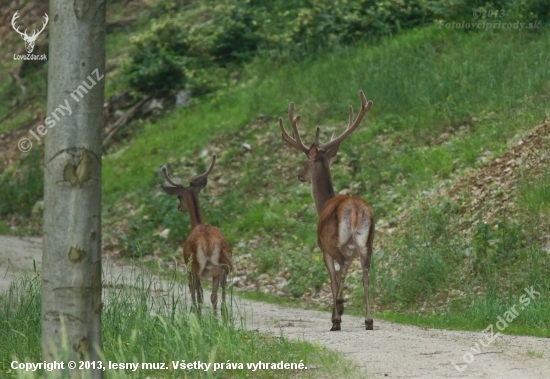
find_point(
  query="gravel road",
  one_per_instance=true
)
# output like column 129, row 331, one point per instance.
column 390, row 351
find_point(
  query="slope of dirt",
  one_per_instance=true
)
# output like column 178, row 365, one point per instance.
column 391, row 350
column 491, row 190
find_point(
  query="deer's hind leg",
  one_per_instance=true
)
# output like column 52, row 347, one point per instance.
column 335, row 287
column 223, row 282
column 365, row 253
column 214, row 295
column 194, row 291
column 341, row 283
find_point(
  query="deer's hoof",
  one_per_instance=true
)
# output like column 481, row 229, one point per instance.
column 336, row 326
column 369, row 324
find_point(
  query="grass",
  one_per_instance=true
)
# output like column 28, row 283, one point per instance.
column 141, row 326
column 535, row 354
column 4, row 228
column 422, row 83
column 424, row 87
column 442, row 277
column 535, row 196
column 443, row 102
column 28, row 105
column 23, row 183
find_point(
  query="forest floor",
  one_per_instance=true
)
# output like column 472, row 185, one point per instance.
column 391, row 350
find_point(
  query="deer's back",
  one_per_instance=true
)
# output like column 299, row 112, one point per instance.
column 207, row 243
column 344, row 226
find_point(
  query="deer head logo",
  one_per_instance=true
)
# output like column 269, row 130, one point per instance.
column 29, row 40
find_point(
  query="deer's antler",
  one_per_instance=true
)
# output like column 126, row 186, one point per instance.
column 195, row 179
column 352, row 125
column 295, row 142
column 169, row 178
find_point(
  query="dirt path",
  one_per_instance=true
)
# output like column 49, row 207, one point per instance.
column 391, row 350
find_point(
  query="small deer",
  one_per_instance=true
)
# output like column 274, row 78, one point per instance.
column 346, row 223
column 206, row 246
column 29, row 40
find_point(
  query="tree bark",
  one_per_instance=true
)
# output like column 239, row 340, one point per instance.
column 71, row 268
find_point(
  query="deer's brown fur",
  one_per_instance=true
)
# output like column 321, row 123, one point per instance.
column 206, row 248
column 346, row 223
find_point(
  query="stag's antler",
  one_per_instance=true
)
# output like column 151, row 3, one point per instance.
column 168, row 177
column 195, row 179
column 352, row 125
column 295, row 142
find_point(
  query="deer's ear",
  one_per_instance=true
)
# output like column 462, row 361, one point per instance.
column 332, row 152
column 313, row 152
column 171, row 190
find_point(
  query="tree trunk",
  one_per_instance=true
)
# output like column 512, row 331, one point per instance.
column 71, row 268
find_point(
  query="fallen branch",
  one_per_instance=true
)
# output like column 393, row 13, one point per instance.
column 16, row 108
column 119, row 24
column 127, row 116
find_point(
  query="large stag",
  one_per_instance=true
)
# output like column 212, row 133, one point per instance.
column 29, row 40
column 346, row 223
column 206, row 246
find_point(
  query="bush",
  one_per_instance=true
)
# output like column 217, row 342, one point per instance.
column 199, row 45
column 194, row 48
column 159, row 57
column 203, row 44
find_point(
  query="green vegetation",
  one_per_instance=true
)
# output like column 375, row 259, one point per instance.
column 202, row 45
column 441, row 279
column 445, row 101
column 137, row 314
column 22, row 184
column 535, row 196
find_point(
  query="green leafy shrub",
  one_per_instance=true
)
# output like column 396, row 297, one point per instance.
column 200, row 45
column 193, row 48
column 203, row 45
column 510, row 10
column 159, row 57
